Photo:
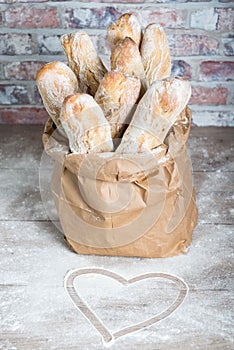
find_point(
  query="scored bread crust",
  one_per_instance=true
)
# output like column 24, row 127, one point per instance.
column 155, row 54
column 126, row 26
column 55, row 81
column 117, row 95
column 125, row 58
column 85, row 125
column 83, row 60
column 157, row 111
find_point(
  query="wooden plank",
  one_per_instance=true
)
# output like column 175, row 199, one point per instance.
column 223, row 134
column 213, row 181
column 36, row 312
column 202, row 322
column 215, row 207
column 20, row 195
column 35, row 251
column 212, row 149
column 21, row 146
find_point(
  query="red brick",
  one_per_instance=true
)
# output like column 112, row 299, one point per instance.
column 181, row 68
column 14, row 94
column 210, row 96
column 22, row 70
column 31, row 17
column 16, row 44
column 100, row 17
column 23, row 115
column 189, row 45
column 216, row 71
column 168, row 18
column 225, row 18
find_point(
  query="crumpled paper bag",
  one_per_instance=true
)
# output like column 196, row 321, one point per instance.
column 139, row 205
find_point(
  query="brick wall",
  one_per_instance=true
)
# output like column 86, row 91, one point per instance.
column 199, row 33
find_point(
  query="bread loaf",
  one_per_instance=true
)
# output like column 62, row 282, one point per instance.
column 55, row 81
column 126, row 26
column 125, row 58
column 155, row 54
column 84, row 61
column 117, row 95
column 155, row 114
column 85, row 125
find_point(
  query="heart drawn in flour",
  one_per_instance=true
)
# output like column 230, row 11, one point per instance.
column 108, row 336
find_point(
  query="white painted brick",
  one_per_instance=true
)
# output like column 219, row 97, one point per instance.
column 204, row 19
column 211, row 118
column 49, row 44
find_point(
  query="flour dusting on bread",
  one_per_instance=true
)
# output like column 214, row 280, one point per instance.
column 85, row 125
column 155, row 114
column 83, row 60
column 55, row 81
column 97, row 109
column 155, row 54
column 117, row 96
column 126, row 26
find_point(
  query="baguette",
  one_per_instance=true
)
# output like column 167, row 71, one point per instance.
column 85, row 125
column 156, row 113
column 117, row 95
column 126, row 26
column 155, row 54
column 55, row 81
column 84, row 61
column 125, row 58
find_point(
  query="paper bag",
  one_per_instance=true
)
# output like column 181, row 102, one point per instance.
column 139, row 205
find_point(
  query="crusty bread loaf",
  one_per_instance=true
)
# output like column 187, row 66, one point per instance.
column 83, row 60
column 85, row 125
column 126, row 58
column 117, row 95
column 155, row 54
column 55, row 81
column 126, row 26
column 155, row 114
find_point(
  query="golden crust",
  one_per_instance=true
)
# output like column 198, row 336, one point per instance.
column 155, row 53
column 157, row 111
column 117, row 96
column 84, row 61
column 126, row 26
column 126, row 58
column 55, row 81
column 85, row 125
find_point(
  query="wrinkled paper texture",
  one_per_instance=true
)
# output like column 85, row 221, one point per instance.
column 130, row 205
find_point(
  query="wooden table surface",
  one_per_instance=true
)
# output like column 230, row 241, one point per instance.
column 35, row 311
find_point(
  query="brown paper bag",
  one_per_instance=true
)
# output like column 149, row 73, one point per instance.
column 127, row 205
